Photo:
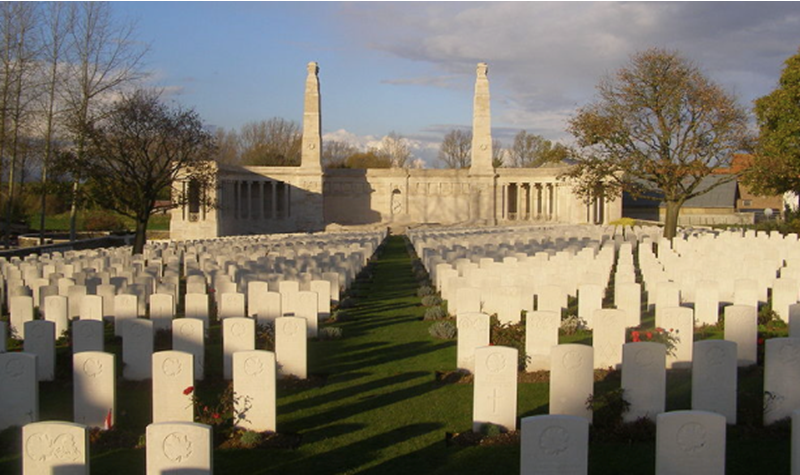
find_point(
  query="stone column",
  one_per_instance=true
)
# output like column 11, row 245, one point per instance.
column 261, row 196
column 236, row 199
column 311, row 158
column 273, row 202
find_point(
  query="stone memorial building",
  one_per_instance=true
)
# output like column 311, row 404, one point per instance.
column 307, row 198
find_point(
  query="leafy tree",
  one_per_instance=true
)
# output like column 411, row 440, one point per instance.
column 372, row 158
column 531, row 150
column 657, row 126
column 227, row 146
column 138, row 150
column 336, row 153
column 456, row 149
column 776, row 163
column 273, row 142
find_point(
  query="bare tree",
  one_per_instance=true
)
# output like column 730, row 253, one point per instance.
column 273, row 142
column 55, row 26
column 336, row 153
column 395, row 146
column 658, row 126
column 498, row 154
column 19, row 51
column 141, row 146
column 227, row 146
column 103, row 55
column 456, row 149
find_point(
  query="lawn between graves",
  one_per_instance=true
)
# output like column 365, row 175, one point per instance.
column 374, row 405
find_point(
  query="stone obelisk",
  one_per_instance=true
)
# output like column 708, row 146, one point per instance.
column 307, row 201
column 482, row 176
column 311, row 157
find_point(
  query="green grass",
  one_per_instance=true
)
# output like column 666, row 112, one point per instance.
column 382, row 412
column 60, row 222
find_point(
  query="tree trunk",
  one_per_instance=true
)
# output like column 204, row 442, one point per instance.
column 73, row 212
column 141, row 235
column 671, row 219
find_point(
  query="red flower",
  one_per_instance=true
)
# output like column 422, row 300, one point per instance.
column 215, row 415
column 649, row 335
column 188, row 390
column 760, row 341
column 635, row 336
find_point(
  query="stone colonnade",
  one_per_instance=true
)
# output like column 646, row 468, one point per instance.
column 527, row 201
column 254, row 199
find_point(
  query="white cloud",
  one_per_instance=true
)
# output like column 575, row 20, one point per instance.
column 546, row 57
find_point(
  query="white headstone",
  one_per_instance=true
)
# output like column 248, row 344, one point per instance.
column 590, row 298
column 667, row 295
column 125, row 309
column 231, row 305
column 323, row 290
column 706, row 302
column 473, row 332
column 551, row 298
column 495, row 388
column 288, row 290
column 40, row 341
column 87, row 335
column 571, row 380
column 628, row 298
column 162, row 311
column 291, row 346
column 21, row 310
column 238, row 334
column 91, row 307
column 644, row 379
column 20, row 406
column 608, row 337
column 469, row 300
column 254, row 375
column 173, row 384
column 306, row 307
column 690, row 442
column 197, row 307
column 55, row 447
column 137, row 349
column 541, row 335
column 741, row 327
column 94, row 378
column 745, row 292
column 179, row 448
column 714, row 378
column 557, row 445
column 679, row 321
column 188, row 335
column 781, row 374
column 75, row 294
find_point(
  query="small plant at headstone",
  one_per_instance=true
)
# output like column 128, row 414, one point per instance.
column 265, row 336
column 250, row 439
column 425, row 291
column 766, row 315
column 431, row 300
column 330, row 333
column 490, row 430
column 347, row 302
column 572, row 324
column 668, row 338
column 510, row 335
column 608, row 408
column 217, row 413
column 443, row 330
column 435, row 313
column 339, row 315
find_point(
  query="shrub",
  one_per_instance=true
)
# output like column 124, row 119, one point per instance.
column 425, row 291
column 347, row 302
column 490, row 430
column 339, row 316
column 435, row 313
column 572, row 324
column 103, row 221
column 510, row 335
column 668, row 338
column 250, row 439
column 431, row 300
column 443, row 330
column 265, row 336
column 330, row 333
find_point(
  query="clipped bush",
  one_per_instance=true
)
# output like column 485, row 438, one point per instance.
column 347, row 302
column 250, row 439
column 103, row 221
column 431, row 300
column 330, row 333
column 339, row 316
column 435, row 313
column 572, row 324
column 425, row 291
column 490, row 430
column 443, row 330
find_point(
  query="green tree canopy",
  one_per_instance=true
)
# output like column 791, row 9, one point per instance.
column 657, row 126
column 776, row 163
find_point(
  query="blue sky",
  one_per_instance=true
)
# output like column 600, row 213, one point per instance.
column 409, row 67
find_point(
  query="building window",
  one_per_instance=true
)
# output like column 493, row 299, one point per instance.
column 747, row 203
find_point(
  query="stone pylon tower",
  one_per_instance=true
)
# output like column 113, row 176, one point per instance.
column 311, row 157
column 482, row 206
column 307, row 184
